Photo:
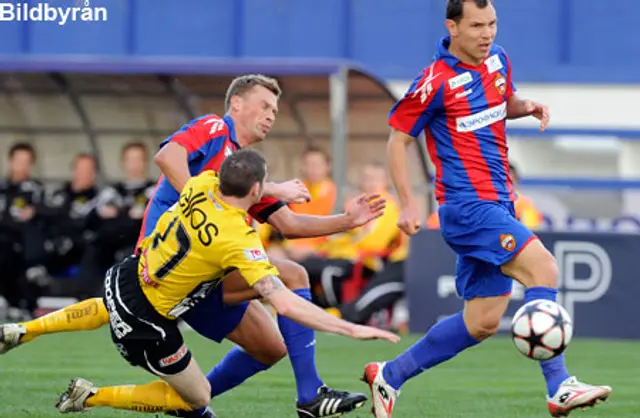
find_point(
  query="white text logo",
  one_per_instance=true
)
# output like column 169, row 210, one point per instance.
column 493, row 63
column 44, row 12
column 460, row 80
column 481, row 119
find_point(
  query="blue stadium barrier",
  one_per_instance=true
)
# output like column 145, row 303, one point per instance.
column 598, row 282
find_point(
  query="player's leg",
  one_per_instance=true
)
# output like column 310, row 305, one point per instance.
column 247, row 324
column 86, row 315
column 535, row 267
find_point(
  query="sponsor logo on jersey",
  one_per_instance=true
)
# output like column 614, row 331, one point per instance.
column 255, row 254
column 481, row 119
column 464, row 93
column 460, row 80
column 493, row 63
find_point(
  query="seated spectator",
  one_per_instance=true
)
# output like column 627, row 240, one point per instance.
column 334, row 260
column 118, row 214
column 66, row 211
column 22, row 253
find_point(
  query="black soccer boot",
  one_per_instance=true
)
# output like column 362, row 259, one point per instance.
column 208, row 413
column 331, row 403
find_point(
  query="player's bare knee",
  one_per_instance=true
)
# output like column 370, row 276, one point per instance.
column 274, row 353
column 294, row 276
column 484, row 327
column 545, row 272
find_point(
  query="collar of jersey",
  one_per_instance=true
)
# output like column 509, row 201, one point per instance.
column 449, row 59
column 216, row 199
column 232, row 130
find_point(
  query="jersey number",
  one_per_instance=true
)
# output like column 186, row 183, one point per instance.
column 184, row 246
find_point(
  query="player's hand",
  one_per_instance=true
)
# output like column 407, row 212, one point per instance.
column 292, row 191
column 362, row 332
column 410, row 219
column 540, row 112
column 365, row 208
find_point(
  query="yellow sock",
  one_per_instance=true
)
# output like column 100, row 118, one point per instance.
column 153, row 397
column 82, row 316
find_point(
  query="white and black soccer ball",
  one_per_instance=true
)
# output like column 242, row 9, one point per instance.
column 541, row 329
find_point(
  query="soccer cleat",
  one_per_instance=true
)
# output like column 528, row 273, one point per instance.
column 10, row 335
column 331, row 403
column 573, row 394
column 383, row 396
column 74, row 398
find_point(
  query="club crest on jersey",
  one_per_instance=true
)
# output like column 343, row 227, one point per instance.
column 255, row 254
column 500, row 83
column 460, row 80
column 493, row 63
column 508, row 242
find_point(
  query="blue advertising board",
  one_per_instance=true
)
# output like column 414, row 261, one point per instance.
column 598, row 282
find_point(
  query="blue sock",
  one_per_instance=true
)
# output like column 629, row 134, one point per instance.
column 236, row 367
column 443, row 341
column 196, row 413
column 301, row 345
column 554, row 370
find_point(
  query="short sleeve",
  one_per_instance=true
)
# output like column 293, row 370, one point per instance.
column 200, row 138
column 422, row 101
column 247, row 255
column 265, row 208
column 511, row 88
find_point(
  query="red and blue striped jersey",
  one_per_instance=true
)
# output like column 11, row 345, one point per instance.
column 208, row 140
column 462, row 110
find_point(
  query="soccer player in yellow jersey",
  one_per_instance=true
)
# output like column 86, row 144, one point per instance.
column 193, row 247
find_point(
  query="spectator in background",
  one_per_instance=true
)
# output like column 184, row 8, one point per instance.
column 66, row 211
column 334, row 260
column 526, row 210
column 316, row 175
column 118, row 212
column 22, row 254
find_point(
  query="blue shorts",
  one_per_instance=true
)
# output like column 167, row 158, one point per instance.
column 485, row 235
column 212, row 318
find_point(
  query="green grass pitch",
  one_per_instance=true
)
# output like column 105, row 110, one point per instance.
column 491, row 380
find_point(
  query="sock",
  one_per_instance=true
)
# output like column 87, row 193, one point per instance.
column 153, row 397
column 236, row 367
column 86, row 315
column 300, row 342
column 554, row 370
column 443, row 341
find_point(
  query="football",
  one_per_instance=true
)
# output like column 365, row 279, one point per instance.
column 541, row 329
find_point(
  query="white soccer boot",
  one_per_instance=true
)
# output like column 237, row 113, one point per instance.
column 383, row 396
column 573, row 394
column 10, row 335
column 74, row 398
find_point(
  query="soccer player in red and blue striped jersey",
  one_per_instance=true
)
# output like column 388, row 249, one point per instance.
column 461, row 102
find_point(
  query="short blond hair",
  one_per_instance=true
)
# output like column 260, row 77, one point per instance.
column 244, row 83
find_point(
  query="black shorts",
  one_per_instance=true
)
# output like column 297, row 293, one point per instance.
column 142, row 336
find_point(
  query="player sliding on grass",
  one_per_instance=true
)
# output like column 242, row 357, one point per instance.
column 252, row 106
column 187, row 256
column 461, row 102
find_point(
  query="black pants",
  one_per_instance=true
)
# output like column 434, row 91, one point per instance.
column 326, row 276
column 114, row 240
column 383, row 290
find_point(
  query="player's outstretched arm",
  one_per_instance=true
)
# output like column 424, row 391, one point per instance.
column 358, row 212
column 292, row 306
column 173, row 162
column 518, row 108
column 410, row 218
